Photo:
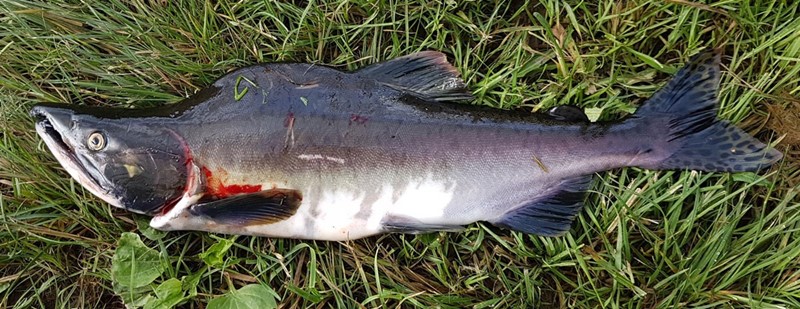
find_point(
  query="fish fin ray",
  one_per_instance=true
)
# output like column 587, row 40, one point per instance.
column 263, row 207
column 403, row 224
column 694, row 138
column 693, row 88
column 425, row 74
column 552, row 213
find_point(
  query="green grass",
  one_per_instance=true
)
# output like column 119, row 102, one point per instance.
column 645, row 238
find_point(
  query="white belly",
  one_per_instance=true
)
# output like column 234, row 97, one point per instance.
column 337, row 214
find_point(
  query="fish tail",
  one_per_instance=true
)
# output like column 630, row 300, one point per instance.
column 689, row 135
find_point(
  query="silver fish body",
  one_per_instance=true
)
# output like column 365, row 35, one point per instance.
column 305, row 151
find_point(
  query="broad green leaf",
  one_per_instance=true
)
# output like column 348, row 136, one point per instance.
column 168, row 295
column 191, row 282
column 143, row 224
column 593, row 113
column 133, row 297
column 134, row 264
column 253, row 296
column 215, row 254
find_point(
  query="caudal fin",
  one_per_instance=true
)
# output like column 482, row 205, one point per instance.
column 694, row 138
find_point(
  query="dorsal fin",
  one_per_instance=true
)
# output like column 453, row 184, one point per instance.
column 425, row 74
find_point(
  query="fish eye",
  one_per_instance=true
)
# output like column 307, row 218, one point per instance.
column 96, row 141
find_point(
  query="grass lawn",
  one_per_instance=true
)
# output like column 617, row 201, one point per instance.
column 644, row 239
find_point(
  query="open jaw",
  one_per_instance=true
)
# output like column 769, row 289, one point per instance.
column 60, row 147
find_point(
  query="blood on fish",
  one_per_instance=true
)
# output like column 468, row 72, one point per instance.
column 358, row 119
column 289, row 121
column 216, row 188
column 169, row 205
column 190, row 176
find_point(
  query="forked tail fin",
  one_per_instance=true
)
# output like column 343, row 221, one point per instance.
column 682, row 133
column 694, row 138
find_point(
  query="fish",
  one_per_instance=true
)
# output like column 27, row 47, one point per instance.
column 306, row 151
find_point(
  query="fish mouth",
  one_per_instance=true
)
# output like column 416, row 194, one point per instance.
column 46, row 130
column 50, row 123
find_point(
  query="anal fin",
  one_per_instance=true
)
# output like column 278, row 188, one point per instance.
column 403, row 224
column 263, row 207
column 551, row 213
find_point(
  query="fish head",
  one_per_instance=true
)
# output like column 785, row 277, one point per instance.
column 129, row 163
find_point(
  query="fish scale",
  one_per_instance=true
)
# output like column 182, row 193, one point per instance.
column 306, row 151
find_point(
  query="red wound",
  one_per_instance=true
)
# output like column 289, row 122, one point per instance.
column 190, row 176
column 358, row 119
column 289, row 121
column 218, row 189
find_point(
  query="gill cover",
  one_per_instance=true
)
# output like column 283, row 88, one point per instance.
column 130, row 163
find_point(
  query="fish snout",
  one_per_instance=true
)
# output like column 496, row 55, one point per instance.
column 58, row 118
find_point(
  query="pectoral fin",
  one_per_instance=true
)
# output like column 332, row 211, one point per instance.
column 263, row 207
